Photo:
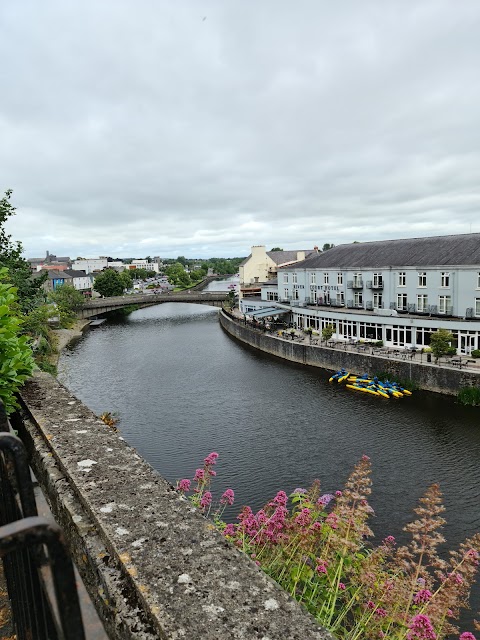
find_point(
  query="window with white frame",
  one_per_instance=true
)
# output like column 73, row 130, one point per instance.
column 377, row 301
column 444, row 304
column 402, row 301
column 294, row 278
column 341, row 298
column 422, row 303
column 402, row 279
column 285, row 293
column 325, row 278
column 313, row 296
column 358, row 299
column 339, row 278
column 477, row 306
column 272, row 295
column 422, row 278
column 377, row 280
column 285, row 278
column 313, row 278
column 478, row 280
column 445, row 279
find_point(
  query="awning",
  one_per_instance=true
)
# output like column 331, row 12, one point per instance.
column 269, row 311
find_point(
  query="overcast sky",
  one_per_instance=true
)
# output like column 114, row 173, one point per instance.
column 198, row 128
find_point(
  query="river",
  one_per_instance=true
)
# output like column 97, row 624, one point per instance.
column 183, row 388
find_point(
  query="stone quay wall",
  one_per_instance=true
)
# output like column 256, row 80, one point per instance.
column 153, row 565
column 426, row 376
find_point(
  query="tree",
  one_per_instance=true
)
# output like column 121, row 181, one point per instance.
column 177, row 275
column 68, row 301
column 327, row 332
column 327, row 246
column 126, row 279
column 140, row 274
column 276, row 249
column 29, row 290
column 16, row 361
column 440, row 343
column 108, row 283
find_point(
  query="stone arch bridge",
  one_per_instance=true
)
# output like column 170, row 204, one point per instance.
column 104, row 305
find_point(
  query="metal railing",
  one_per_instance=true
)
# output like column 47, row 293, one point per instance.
column 38, row 572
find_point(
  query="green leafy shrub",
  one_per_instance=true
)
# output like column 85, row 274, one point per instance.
column 469, row 396
column 16, row 361
column 475, row 353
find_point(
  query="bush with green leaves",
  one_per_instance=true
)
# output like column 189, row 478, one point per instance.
column 475, row 353
column 327, row 332
column 16, row 361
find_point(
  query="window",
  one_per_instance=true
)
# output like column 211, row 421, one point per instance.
column 377, row 280
column 422, row 279
column 445, row 279
column 422, row 303
column 478, row 281
column 294, row 278
column 402, row 301
column 358, row 299
column 285, row 278
column 377, row 301
column 357, row 280
column 313, row 296
column 444, row 304
column 285, row 293
column 340, row 278
column 295, row 294
column 341, row 298
column 313, row 278
column 477, row 306
column 402, row 279
column 325, row 278
column 272, row 295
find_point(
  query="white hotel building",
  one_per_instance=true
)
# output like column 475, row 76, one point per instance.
column 398, row 291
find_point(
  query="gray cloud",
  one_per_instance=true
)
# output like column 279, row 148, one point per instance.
column 143, row 128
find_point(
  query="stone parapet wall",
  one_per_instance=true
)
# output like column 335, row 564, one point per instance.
column 427, row 376
column 154, row 566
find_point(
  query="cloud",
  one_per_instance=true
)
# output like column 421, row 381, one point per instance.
column 140, row 128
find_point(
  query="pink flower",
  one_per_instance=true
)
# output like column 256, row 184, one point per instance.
column 389, row 541
column 456, row 577
column 338, row 493
column 332, row 520
column 211, row 458
column 341, row 586
column 321, row 567
column 421, row 627
column 299, row 491
column 184, row 485
column 303, row 518
column 211, row 472
column 229, row 530
column 324, row 500
column 422, row 596
column 199, row 474
column 228, row 497
column 206, row 499
column 380, row 613
column 370, row 605
column 466, row 635
column 281, row 499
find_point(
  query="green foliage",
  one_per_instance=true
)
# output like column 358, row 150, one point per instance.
column 177, row 275
column 440, row 343
column 29, row 290
column 469, row 396
column 16, row 361
column 108, row 283
column 475, row 353
column 126, row 279
column 327, row 246
column 140, row 274
column 327, row 332
column 68, row 300
column 276, row 249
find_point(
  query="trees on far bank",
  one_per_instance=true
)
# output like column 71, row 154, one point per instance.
column 109, row 283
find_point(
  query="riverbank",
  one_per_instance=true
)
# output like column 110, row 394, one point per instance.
column 428, row 376
column 63, row 337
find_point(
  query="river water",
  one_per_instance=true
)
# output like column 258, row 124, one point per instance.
column 183, row 388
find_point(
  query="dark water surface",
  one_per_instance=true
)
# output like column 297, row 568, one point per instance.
column 184, row 388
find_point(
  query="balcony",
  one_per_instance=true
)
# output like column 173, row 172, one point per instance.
column 357, row 283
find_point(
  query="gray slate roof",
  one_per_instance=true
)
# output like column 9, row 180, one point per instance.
column 281, row 257
column 76, row 273
column 452, row 250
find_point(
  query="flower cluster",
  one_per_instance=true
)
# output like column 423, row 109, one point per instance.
column 315, row 546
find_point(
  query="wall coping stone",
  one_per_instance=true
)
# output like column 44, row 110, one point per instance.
column 160, row 569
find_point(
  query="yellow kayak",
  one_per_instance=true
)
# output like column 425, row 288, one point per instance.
column 343, row 378
column 364, row 389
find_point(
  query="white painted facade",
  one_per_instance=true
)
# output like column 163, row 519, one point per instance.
column 90, row 264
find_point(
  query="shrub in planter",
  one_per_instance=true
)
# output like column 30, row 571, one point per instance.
column 475, row 353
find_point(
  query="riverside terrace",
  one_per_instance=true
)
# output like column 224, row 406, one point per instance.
column 448, row 376
column 103, row 305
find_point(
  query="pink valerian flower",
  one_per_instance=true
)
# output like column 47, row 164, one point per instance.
column 341, row 586
column 299, row 491
column 324, row 500
column 380, row 613
column 422, row 596
column 229, row 530
column 338, row 494
column 211, row 472
column 206, row 499
column 466, row 635
column 321, row 567
column 303, row 518
column 389, row 541
column 316, row 526
column 421, row 628
column 199, row 475
column 280, row 499
column 456, row 577
column 332, row 520
column 184, row 485
column 211, row 458
column 228, row 497
column 370, row 605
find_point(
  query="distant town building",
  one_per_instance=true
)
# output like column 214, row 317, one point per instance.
column 51, row 261
column 144, row 264
column 81, row 281
column 90, row 265
column 55, row 279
